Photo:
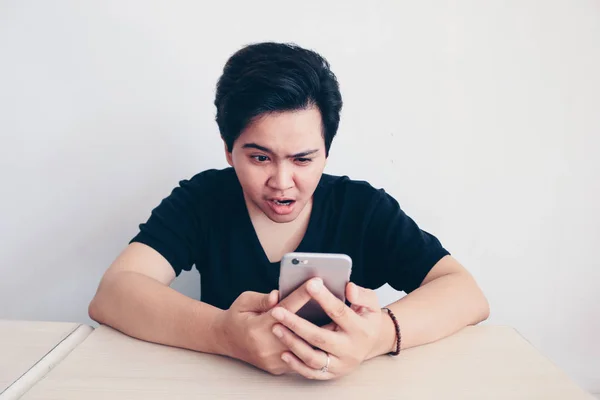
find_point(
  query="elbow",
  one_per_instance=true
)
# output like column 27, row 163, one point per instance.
column 480, row 306
column 482, row 309
column 98, row 305
column 476, row 305
column 94, row 310
column 485, row 310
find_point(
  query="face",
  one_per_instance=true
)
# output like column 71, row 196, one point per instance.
column 279, row 159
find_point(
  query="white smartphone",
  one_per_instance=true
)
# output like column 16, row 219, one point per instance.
column 297, row 268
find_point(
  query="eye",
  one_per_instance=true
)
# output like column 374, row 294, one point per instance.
column 303, row 160
column 260, row 158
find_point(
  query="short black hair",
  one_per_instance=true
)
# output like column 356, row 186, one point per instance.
column 273, row 77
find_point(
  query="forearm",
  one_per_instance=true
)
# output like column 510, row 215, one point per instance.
column 142, row 307
column 433, row 311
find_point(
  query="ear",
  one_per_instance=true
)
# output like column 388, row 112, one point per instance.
column 228, row 155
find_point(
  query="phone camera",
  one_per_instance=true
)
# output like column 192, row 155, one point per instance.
column 295, row 261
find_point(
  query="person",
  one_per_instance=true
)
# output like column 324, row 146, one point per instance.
column 278, row 109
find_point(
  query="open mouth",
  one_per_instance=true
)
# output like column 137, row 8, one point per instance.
column 282, row 206
column 286, row 202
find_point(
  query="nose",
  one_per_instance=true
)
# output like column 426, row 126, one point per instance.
column 281, row 178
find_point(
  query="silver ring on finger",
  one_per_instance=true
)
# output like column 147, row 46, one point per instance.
column 326, row 366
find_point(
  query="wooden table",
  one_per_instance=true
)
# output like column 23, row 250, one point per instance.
column 481, row 362
column 28, row 350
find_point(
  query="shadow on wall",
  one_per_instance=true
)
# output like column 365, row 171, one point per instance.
column 188, row 283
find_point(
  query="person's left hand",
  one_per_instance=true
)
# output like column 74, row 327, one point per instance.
column 352, row 337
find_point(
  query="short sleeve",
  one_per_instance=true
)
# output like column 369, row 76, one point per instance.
column 175, row 226
column 396, row 247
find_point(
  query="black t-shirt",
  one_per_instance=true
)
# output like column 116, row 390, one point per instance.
column 205, row 222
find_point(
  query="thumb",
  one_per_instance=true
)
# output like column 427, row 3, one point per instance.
column 362, row 298
column 256, row 302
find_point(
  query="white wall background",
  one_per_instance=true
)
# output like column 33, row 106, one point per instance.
column 482, row 118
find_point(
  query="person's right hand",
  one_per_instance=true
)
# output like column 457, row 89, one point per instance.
column 245, row 329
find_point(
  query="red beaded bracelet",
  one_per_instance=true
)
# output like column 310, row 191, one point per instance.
column 398, row 337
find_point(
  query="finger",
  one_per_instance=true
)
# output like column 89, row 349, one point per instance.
column 330, row 327
column 336, row 309
column 272, row 299
column 298, row 366
column 298, row 298
column 256, row 302
column 310, row 356
column 318, row 337
column 362, row 297
column 360, row 310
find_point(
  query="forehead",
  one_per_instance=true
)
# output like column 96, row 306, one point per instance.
column 286, row 131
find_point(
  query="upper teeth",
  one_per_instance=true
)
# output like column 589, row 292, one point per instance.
column 282, row 201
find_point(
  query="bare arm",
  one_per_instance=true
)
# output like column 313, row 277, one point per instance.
column 448, row 300
column 134, row 297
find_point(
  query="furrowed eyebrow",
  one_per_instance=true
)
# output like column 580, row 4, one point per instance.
column 304, row 153
column 257, row 147
column 267, row 150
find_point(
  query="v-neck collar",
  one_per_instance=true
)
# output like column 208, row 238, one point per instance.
column 253, row 236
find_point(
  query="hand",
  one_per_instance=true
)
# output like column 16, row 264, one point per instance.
column 352, row 337
column 245, row 329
